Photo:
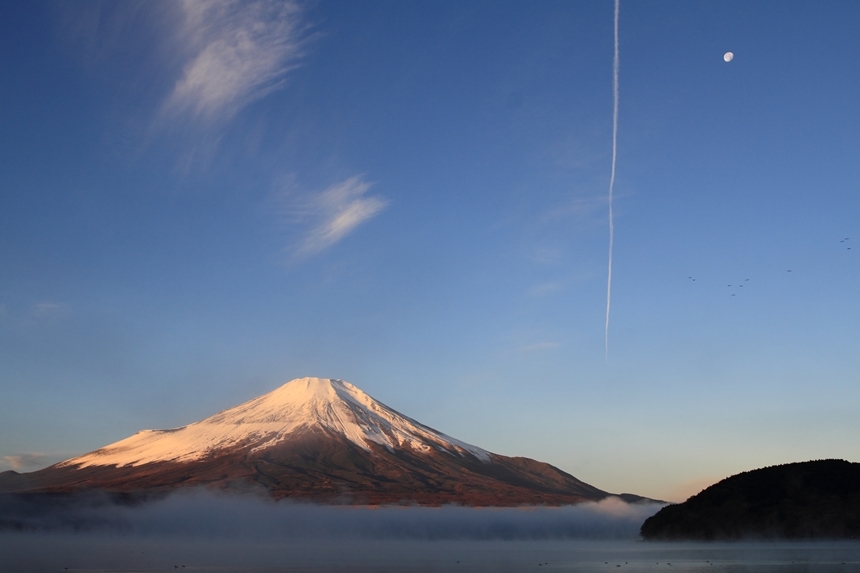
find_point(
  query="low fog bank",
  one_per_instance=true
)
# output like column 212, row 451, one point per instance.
column 199, row 513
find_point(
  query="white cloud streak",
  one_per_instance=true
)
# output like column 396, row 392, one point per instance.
column 241, row 51
column 331, row 214
column 615, row 66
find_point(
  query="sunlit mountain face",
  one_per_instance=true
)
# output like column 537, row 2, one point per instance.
column 315, row 439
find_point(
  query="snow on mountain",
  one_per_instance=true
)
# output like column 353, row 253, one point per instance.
column 297, row 406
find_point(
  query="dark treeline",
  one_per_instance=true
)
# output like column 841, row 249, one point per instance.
column 807, row 500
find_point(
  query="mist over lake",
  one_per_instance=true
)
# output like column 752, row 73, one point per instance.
column 201, row 514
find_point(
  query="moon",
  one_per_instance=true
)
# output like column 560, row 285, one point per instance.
column 728, row 56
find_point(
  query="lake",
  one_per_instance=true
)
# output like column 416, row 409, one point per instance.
column 100, row 552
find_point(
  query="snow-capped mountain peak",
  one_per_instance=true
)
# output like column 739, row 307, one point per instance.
column 304, row 404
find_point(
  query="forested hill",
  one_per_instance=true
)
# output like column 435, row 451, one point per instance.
column 807, row 500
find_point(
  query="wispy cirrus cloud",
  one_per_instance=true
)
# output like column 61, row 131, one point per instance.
column 240, row 51
column 48, row 309
column 538, row 346
column 26, row 462
column 577, row 208
column 328, row 216
column 545, row 289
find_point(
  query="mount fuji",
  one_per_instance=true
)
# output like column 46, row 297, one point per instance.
column 313, row 439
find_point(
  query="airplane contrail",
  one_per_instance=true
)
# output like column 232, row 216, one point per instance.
column 612, row 176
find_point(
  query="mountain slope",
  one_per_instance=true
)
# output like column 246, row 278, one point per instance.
column 315, row 439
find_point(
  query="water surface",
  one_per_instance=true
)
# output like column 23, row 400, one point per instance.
column 39, row 552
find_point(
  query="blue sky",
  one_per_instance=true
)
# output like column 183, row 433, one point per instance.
column 199, row 202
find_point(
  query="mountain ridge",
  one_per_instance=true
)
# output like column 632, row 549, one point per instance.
column 319, row 440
